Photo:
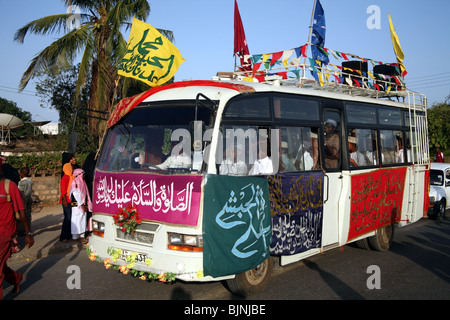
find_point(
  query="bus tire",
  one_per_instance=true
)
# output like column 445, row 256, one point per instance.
column 253, row 281
column 383, row 238
column 363, row 244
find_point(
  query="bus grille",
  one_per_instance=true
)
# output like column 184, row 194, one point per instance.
column 144, row 234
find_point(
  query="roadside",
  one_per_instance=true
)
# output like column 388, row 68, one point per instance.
column 46, row 225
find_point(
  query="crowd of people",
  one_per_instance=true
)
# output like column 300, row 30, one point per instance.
column 15, row 212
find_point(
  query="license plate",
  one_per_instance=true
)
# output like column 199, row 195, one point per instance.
column 140, row 257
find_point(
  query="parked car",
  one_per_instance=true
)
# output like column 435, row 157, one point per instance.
column 439, row 189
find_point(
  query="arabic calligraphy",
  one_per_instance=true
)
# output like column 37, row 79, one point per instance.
column 137, row 60
column 160, row 198
column 376, row 200
column 246, row 208
column 297, row 212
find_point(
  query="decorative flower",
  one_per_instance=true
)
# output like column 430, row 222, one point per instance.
column 107, row 263
column 200, row 274
column 148, row 262
column 143, row 277
column 92, row 256
column 162, row 277
column 124, row 269
column 127, row 219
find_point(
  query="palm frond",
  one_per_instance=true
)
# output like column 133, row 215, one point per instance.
column 63, row 49
column 46, row 25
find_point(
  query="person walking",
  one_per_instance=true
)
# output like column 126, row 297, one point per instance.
column 439, row 156
column 11, row 203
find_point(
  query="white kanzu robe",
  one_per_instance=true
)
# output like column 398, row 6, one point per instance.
column 78, row 225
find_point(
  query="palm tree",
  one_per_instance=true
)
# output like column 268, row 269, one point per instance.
column 98, row 38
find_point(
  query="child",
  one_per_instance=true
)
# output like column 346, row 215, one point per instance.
column 81, row 203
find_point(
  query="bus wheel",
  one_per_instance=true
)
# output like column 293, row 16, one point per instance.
column 381, row 241
column 363, row 244
column 252, row 281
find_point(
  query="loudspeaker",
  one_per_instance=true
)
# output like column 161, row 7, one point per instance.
column 353, row 74
column 386, row 70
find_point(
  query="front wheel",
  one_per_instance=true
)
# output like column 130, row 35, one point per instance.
column 383, row 238
column 252, row 281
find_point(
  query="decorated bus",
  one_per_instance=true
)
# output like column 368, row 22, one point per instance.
column 207, row 180
column 221, row 179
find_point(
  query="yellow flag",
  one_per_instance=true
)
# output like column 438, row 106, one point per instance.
column 397, row 47
column 150, row 57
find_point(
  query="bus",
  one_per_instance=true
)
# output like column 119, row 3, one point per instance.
column 231, row 177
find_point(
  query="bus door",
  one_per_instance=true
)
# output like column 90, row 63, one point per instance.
column 332, row 163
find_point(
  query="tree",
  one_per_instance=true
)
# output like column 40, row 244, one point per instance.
column 439, row 126
column 101, row 42
column 10, row 107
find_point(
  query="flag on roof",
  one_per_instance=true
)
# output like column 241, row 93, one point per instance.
column 240, row 42
column 397, row 48
column 318, row 34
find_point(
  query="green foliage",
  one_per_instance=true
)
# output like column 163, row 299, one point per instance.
column 42, row 163
column 439, row 126
column 10, row 107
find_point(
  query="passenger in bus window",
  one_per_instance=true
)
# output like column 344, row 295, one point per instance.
column 233, row 163
column 304, row 160
column 332, row 144
column 400, row 155
column 287, row 161
column 356, row 158
column 176, row 159
column 263, row 165
column 388, row 147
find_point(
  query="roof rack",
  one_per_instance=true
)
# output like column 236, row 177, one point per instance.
column 349, row 81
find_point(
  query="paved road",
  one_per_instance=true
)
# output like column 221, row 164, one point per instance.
column 416, row 267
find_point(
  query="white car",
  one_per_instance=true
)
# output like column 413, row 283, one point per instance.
column 439, row 189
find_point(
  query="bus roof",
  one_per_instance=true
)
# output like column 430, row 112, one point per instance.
column 188, row 90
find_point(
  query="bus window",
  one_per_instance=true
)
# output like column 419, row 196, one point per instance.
column 332, row 140
column 296, row 108
column 391, row 116
column 389, row 146
column 362, row 147
column 254, row 107
column 360, row 113
column 299, row 149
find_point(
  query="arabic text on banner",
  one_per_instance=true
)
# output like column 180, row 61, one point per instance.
column 150, row 57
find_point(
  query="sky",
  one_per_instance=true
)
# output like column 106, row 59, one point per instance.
column 204, row 34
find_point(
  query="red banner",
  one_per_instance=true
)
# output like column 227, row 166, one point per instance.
column 376, row 200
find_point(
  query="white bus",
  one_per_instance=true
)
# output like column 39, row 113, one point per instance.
column 226, row 176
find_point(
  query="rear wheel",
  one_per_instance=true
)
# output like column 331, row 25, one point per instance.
column 252, row 281
column 382, row 239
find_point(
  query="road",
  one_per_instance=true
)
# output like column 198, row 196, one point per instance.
column 416, row 267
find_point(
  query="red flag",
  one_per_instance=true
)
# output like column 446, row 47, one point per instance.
column 240, row 42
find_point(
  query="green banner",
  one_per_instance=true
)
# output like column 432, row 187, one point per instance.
column 237, row 229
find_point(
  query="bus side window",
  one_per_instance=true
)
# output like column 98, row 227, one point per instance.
column 299, row 149
column 332, row 141
column 362, row 147
column 390, row 147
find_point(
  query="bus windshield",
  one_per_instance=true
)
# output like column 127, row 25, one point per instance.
column 156, row 137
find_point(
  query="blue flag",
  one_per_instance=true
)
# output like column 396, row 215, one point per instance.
column 318, row 34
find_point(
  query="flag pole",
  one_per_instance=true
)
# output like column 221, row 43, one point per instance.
column 309, row 40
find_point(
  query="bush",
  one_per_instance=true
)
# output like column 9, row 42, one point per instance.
column 43, row 163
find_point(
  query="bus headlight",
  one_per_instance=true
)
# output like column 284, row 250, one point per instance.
column 185, row 242
column 98, row 228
